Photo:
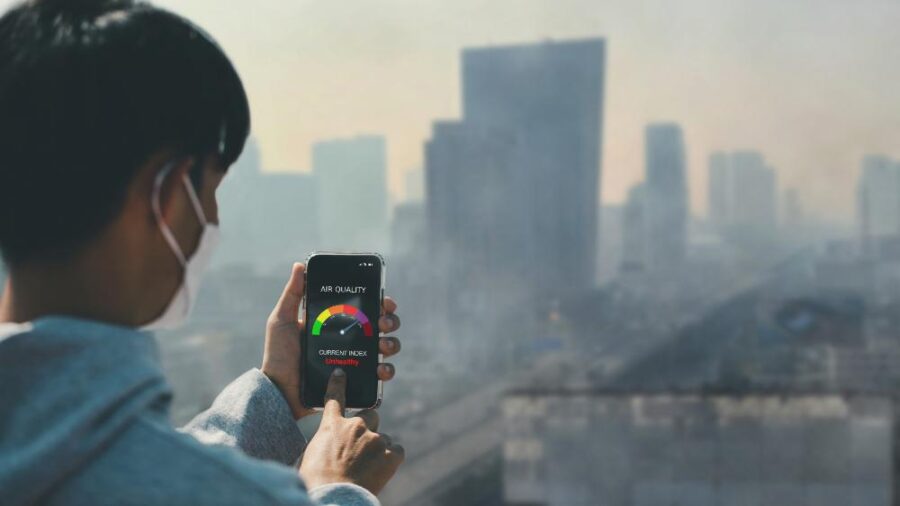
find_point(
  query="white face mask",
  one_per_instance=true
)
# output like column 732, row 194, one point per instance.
column 184, row 298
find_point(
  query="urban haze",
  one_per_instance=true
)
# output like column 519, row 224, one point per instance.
column 646, row 253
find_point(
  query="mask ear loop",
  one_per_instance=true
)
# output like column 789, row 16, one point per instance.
column 163, row 227
column 195, row 201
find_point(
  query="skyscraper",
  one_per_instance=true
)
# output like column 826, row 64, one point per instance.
column 482, row 231
column 754, row 193
column 512, row 194
column 719, row 196
column 610, row 247
column 529, row 143
column 743, row 195
column 475, row 202
column 878, row 200
column 351, row 181
column 666, row 195
column 408, row 230
column 634, row 231
column 476, row 249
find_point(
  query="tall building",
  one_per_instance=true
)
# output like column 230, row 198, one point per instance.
column 634, row 231
column 408, row 230
column 743, row 194
column 754, row 192
column 481, row 230
column 483, row 244
column 351, row 181
column 878, row 200
column 609, row 251
column 666, row 195
column 719, row 195
column 512, row 195
column 529, row 145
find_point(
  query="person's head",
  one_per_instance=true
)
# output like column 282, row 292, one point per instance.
column 97, row 97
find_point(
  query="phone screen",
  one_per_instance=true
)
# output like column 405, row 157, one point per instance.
column 343, row 304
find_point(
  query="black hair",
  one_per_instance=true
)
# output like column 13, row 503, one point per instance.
column 89, row 91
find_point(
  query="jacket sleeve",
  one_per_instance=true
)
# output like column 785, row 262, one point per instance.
column 252, row 415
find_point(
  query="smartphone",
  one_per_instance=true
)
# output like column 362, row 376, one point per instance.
column 344, row 292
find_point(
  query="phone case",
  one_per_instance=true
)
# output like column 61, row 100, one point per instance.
column 381, row 302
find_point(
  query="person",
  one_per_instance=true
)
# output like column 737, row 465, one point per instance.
column 118, row 120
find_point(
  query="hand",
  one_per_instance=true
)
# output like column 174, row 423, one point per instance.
column 349, row 450
column 282, row 362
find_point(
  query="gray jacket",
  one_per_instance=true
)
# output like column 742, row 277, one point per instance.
column 84, row 420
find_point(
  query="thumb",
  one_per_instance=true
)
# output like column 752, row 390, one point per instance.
column 287, row 308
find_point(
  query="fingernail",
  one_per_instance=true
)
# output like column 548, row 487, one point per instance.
column 390, row 344
column 338, row 372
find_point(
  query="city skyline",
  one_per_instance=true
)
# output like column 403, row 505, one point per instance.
column 392, row 68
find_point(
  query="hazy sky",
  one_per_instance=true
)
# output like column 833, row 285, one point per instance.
column 814, row 84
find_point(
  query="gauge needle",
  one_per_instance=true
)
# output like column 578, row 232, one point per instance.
column 344, row 330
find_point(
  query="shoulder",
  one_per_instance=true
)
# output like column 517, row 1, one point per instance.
column 152, row 463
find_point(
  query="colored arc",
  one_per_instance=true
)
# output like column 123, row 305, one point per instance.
column 342, row 309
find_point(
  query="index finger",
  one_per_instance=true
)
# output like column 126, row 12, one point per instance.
column 335, row 394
